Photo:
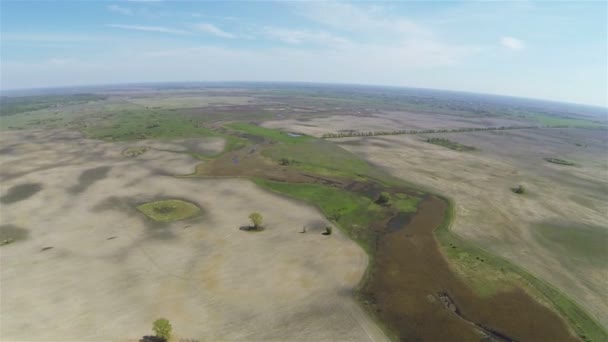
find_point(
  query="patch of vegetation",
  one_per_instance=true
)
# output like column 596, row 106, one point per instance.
column 134, row 151
column 559, row 161
column 353, row 213
column 234, row 143
column 405, row 203
column 384, row 198
column 162, row 328
column 168, row 210
column 449, row 144
column 489, row 274
column 520, row 190
column 22, row 104
column 272, row 134
column 134, row 125
column 316, row 155
column 557, row 121
column 256, row 220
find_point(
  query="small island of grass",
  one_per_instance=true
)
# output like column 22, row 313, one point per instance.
column 168, row 210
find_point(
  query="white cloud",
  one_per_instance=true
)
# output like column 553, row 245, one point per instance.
column 120, row 9
column 303, row 36
column 214, row 30
column 160, row 29
column 367, row 19
column 512, row 43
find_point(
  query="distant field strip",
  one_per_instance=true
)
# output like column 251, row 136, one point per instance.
column 424, row 131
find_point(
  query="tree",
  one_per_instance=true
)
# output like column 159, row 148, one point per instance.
column 256, row 219
column 162, row 328
column 519, row 189
column 384, row 198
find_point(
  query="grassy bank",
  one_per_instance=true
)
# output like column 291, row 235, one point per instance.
column 489, row 273
column 351, row 212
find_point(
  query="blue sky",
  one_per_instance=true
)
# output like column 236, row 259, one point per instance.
column 548, row 50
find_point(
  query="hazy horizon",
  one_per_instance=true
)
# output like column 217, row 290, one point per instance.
column 546, row 51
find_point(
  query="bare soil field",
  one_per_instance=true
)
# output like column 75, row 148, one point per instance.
column 558, row 224
column 185, row 101
column 386, row 121
column 86, row 265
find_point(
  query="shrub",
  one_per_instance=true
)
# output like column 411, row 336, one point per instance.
column 519, row 189
column 384, row 198
column 162, row 328
column 256, row 219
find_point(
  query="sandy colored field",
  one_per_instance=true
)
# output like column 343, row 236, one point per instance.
column 386, row 121
column 190, row 101
column 111, row 271
column 571, row 199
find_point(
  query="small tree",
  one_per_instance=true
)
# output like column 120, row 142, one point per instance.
column 256, row 218
column 162, row 328
column 384, row 198
column 519, row 189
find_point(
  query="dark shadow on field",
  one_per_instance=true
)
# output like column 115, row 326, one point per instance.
column 155, row 230
column 20, row 192
column 89, row 177
column 13, row 233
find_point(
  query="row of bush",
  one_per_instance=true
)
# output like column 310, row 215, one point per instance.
column 424, row 131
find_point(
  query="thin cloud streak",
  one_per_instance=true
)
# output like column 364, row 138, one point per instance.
column 160, row 29
column 214, row 30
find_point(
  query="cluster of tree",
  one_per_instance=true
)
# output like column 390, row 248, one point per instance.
column 424, row 131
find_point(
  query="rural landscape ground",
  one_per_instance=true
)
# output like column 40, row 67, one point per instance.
column 389, row 214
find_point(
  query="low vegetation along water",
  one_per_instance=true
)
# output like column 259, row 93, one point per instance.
column 409, row 287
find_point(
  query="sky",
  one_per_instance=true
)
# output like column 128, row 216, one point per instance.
column 548, row 50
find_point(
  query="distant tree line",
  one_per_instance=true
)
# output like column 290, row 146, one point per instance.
column 424, row 131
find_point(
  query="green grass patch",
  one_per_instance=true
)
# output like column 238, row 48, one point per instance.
column 559, row 161
column 452, row 145
column 405, row 203
column 268, row 133
column 556, row 121
column 489, row 273
column 352, row 212
column 147, row 125
column 317, row 155
column 21, row 104
column 234, row 143
column 169, row 210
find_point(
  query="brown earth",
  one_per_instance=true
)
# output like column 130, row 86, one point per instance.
column 415, row 293
column 411, row 288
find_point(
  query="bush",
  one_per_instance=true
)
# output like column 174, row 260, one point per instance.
column 519, row 189
column 328, row 230
column 384, row 198
column 162, row 328
column 256, row 219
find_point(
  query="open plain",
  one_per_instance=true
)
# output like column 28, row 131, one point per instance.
column 558, row 224
column 130, row 204
column 91, row 267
